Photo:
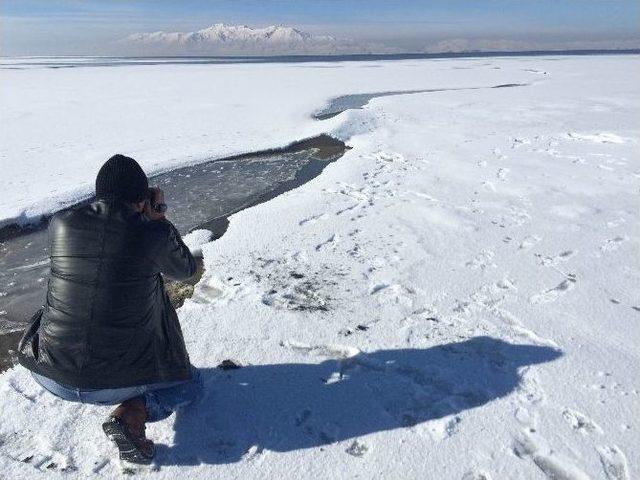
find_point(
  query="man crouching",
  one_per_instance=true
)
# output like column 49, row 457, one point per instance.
column 108, row 333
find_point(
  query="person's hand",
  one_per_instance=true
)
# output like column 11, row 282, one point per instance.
column 157, row 197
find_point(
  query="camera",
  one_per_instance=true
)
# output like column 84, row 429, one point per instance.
column 156, row 207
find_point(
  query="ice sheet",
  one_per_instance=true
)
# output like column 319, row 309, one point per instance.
column 457, row 297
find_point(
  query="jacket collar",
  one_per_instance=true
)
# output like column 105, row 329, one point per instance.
column 109, row 207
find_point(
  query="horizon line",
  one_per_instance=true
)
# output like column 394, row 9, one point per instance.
column 462, row 53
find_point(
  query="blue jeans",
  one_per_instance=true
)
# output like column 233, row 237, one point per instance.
column 160, row 399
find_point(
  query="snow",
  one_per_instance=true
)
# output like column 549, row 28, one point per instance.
column 196, row 239
column 275, row 35
column 456, row 297
column 235, row 39
column 64, row 123
column 598, row 137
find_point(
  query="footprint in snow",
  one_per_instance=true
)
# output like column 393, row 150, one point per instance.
column 338, row 352
column 498, row 153
column 529, row 390
column 528, row 242
column 32, row 397
column 519, row 142
column 209, row 290
column 489, row 186
column 393, row 294
column 325, row 432
column 616, row 222
column 330, row 242
column 444, row 427
column 502, row 174
column 37, row 452
column 554, row 293
column 613, row 243
column 389, row 157
column 99, row 465
column 312, row 219
column 604, row 137
column 526, row 418
column 554, row 261
column 482, row 260
column 579, row 422
column 566, row 255
column 476, row 475
column 538, row 72
column 553, row 465
column 614, row 462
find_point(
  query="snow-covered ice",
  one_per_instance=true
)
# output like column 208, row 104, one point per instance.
column 456, row 297
column 63, row 123
column 195, row 239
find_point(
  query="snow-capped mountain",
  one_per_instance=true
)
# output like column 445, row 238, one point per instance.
column 234, row 40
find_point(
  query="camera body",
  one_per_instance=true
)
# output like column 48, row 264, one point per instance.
column 156, row 207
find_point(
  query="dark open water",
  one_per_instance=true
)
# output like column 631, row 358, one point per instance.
column 89, row 61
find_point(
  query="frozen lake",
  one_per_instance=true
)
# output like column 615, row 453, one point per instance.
column 465, row 278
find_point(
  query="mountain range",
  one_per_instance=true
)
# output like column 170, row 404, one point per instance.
column 223, row 39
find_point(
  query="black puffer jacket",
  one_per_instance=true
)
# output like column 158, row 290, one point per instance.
column 107, row 321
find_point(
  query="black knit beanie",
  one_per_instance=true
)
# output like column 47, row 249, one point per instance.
column 121, row 178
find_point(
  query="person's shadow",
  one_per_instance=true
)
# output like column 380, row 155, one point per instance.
column 292, row 406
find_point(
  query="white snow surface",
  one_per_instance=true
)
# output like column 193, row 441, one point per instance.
column 455, row 298
column 64, row 123
column 195, row 239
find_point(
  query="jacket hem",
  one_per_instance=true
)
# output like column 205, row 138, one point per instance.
column 80, row 381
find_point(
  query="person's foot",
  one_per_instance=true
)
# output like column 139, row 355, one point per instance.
column 125, row 427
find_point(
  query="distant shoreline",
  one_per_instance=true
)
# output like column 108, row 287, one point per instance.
column 330, row 57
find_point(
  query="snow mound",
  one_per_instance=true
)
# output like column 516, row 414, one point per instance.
column 195, row 239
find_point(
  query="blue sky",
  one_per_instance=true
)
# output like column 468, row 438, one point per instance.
column 77, row 26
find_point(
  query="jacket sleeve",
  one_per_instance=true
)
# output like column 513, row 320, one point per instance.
column 175, row 259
